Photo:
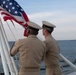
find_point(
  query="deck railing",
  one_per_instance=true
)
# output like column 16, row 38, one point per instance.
column 7, row 62
column 67, row 61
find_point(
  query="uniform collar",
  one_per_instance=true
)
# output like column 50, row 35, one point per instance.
column 32, row 36
column 48, row 36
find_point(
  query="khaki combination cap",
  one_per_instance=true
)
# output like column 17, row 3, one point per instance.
column 33, row 25
column 45, row 23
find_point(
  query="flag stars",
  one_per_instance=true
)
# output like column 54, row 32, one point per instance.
column 12, row 11
column 3, row 2
column 13, row 7
column 21, row 9
column 9, row 10
column 16, row 12
column 6, row 6
column 17, row 5
column 10, row 3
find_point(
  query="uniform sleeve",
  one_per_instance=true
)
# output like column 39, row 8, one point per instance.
column 15, row 48
column 44, row 51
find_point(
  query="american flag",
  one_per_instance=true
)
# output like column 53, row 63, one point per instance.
column 11, row 10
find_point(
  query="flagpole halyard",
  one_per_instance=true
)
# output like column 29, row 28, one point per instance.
column 11, row 31
column 6, row 50
column 4, row 62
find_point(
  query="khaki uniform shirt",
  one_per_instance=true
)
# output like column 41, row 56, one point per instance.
column 52, row 57
column 31, row 53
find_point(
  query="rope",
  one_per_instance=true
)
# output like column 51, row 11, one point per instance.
column 11, row 31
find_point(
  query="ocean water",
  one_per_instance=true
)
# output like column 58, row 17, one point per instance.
column 67, row 48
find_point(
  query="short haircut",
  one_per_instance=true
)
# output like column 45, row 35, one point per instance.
column 49, row 29
column 33, row 31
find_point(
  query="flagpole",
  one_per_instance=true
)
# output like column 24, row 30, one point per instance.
column 6, row 51
column 11, row 30
column 4, row 62
column 15, row 68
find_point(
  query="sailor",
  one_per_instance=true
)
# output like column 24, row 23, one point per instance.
column 52, row 52
column 31, row 51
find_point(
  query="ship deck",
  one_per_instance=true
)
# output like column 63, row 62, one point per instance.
column 74, row 73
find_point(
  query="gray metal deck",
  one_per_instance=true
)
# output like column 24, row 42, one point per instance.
column 74, row 73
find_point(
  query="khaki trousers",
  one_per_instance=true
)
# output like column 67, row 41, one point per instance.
column 29, row 73
column 53, row 71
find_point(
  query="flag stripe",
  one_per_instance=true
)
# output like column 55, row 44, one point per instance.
column 11, row 10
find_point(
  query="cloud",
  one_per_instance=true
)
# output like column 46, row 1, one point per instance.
column 40, row 15
column 61, row 19
column 65, row 24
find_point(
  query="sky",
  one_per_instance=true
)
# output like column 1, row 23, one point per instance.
column 61, row 13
